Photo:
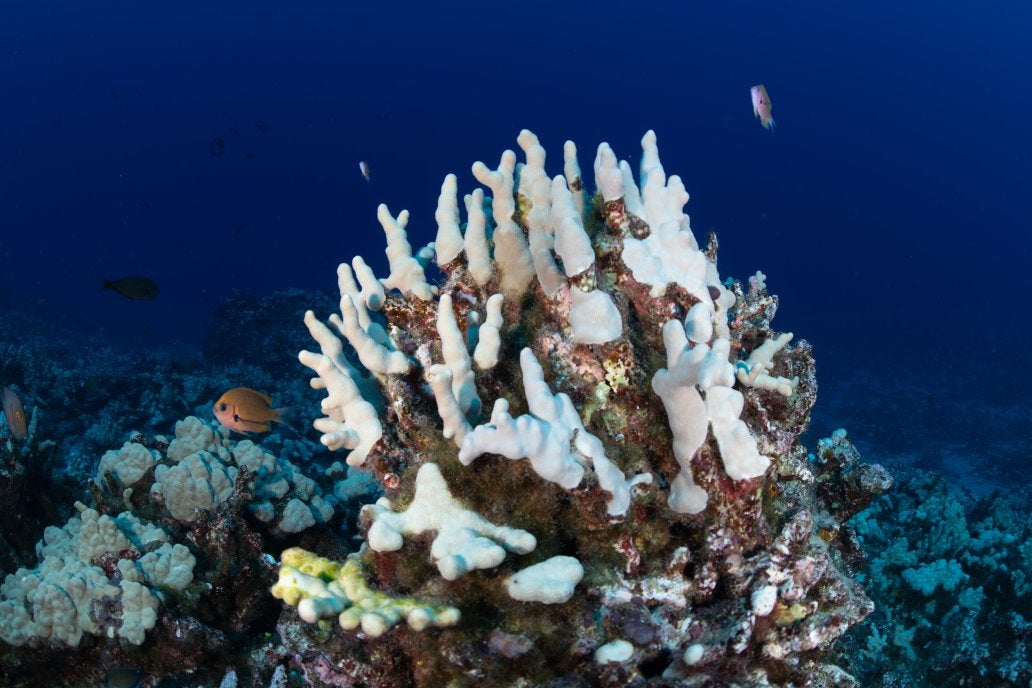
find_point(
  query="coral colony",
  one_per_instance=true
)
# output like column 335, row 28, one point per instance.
column 587, row 447
column 635, row 504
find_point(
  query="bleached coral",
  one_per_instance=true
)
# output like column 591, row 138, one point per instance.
column 597, row 295
column 54, row 601
column 550, row 582
column 465, row 540
column 126, row 465
column 321, row 588
column 551, row 436
column 206, row 479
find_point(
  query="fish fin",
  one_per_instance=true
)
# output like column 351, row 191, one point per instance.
column 258, row 423
column 770, row 124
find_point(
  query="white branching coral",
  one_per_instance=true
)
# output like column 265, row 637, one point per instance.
column 690, row 374
column 457, row 359
column 465, row 540
column 351, row 422
column 551, row 436
column 449, row 243
column 485, row 355
column 511, row 253
column 535, row 187
column 598, row 291
column 753, row 370
column 658, row 250
column 407, row 274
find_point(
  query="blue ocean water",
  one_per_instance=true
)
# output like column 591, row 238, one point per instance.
column 214, row 147
column 885, row 208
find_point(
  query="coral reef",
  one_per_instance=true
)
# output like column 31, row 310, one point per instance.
column 950, row 575
column 24, row 463
column 573, row 451
column 169, row 572
column 268, row 342
column 634, row 508
column 77, row 567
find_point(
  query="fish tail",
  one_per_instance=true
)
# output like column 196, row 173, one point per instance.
column 278, row 417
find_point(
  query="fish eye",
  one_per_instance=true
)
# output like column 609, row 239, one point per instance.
column 223, row 406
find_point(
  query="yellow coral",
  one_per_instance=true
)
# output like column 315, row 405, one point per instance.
column 321, row 588
column 311, row 564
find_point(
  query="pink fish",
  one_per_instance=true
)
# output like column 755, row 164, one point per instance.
column 363, row 167
column 762, row 106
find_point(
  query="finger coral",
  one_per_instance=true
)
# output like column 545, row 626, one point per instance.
column 626, row 414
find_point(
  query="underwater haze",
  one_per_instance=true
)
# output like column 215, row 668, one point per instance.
column 226, row 150
column 885, row 207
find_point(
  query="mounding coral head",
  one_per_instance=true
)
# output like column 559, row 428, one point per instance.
column 574, row 427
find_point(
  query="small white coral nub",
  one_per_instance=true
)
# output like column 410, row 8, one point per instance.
column 551, row 581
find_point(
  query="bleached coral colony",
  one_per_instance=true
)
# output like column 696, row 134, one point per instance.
column 589, row 448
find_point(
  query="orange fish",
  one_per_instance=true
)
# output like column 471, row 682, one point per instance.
column 761, row 105
column 17, row 422
column 247, row 410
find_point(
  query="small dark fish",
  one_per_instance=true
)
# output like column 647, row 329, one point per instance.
column 114, row 95
column 249, row 155
column 239, row 228
column 135, row 288
column 124, row 678
column 56, row 122
column 296, row 177
column 217, row 147
column 144, row 204
column 261, row 127
column 236, row 132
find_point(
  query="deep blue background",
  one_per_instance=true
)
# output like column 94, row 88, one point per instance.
column 886, row 209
